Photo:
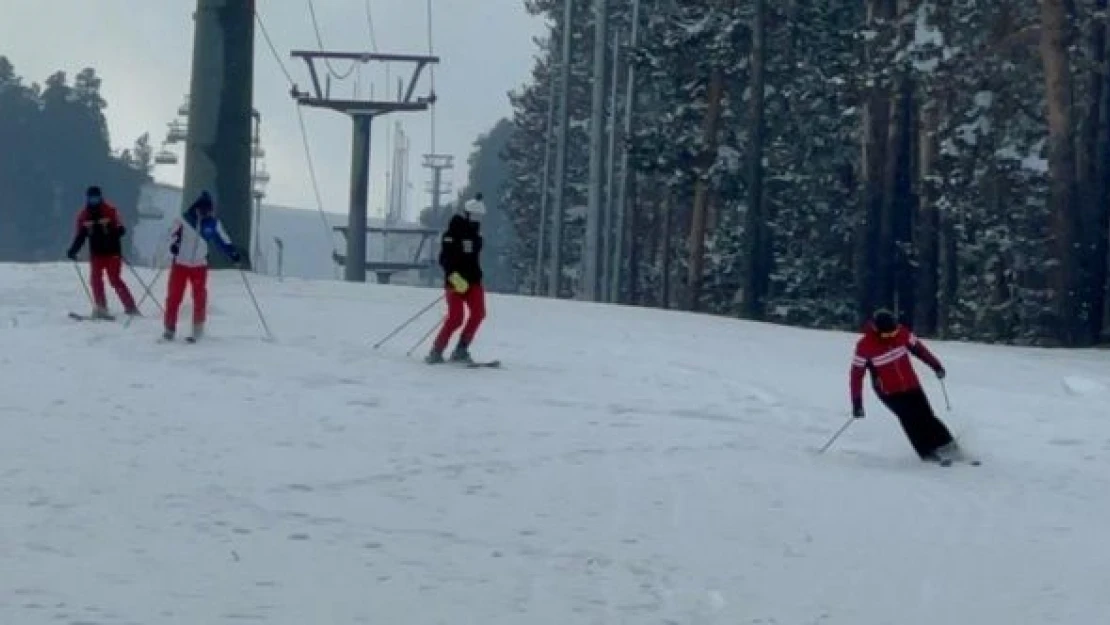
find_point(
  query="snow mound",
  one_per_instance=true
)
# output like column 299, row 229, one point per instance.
column 625, row 466
column 1083, row 387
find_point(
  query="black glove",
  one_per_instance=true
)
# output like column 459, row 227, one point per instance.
column 175, row 249
column 941, row 373
column 857, row 411
column 72, row 255
column 234, row 255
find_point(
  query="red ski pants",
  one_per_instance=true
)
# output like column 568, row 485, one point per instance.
column 99, row 266
column 180, row 277
column 474, row 300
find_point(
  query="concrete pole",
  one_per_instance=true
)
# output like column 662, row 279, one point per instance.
column 590, row 255
column 218, row 148
column 355, row 268
column 554, row 277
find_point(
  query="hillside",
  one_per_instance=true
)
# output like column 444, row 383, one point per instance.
column 626, row 466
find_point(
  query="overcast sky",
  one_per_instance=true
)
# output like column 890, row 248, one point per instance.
column 142, row 50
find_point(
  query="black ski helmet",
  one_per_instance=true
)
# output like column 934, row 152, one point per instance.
column 884, row 320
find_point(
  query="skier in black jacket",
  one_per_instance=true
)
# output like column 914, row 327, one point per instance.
column 460, row 258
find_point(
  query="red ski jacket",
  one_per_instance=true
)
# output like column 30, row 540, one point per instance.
column 887, row 357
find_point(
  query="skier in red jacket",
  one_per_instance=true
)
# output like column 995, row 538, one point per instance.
column 884, row 350
column 99, row 223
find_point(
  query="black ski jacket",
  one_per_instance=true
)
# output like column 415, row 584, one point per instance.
column 102, row 227
column 460, row 250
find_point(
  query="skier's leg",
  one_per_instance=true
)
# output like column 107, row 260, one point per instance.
column 198, row 280
column 96, row 281
column 934, row 433
column 114, row 267
column 905, row 407
column 475, row 300
column 450, row 325
column 175, row 293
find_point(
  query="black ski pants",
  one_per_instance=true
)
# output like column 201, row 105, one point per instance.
column 925, row 431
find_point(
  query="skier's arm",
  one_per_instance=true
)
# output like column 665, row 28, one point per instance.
column 448, row 253
column 117, row 222
column 81, row 233
column 173, row 237
column 917, row 348
column 213, row 232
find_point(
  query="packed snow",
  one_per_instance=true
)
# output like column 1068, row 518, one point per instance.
column 625, row 466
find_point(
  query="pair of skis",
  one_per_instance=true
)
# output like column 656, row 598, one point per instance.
column 79, row 317
column 947, row 462
column 188, row 339
column 473, row 364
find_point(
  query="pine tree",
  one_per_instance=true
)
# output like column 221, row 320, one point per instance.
column 906, row 157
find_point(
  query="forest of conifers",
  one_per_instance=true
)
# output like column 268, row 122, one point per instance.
column 53, row 144
column 806, row 161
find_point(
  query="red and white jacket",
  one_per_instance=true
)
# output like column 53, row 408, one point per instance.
column 888, row 360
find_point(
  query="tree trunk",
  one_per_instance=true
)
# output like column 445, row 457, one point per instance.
column 696, row 264
column 666, row 249
column 876, row 113
column 653, row 246
column 894, row 277
column 1102, row 196
column 1096, row 136
column 949, row 275
column 927, row 244
column 1070, row 327
column 627, row 293
column 758, row 271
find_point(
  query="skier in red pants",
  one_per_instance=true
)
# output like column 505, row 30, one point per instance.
column 189, row 239
column 459, row 256
column 99, row 223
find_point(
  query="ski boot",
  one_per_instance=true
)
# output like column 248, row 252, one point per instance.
column 198, row 332
column 101, row 313
column 168, row 334
column 945, row 455
column 950, row 451
column 434, row 357
column 461, row 354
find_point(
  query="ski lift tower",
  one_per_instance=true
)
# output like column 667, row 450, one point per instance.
column 362, row 113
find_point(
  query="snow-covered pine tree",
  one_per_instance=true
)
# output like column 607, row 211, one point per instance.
column 945, row 214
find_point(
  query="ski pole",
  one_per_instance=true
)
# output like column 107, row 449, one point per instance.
column 254, row 300
column 409, row 321
column 424, row 338
column 146, row 288
column 148, row 293
column 837, row 435
column 944, row 389
column 84, row 285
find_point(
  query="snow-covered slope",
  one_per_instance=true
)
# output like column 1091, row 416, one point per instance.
column 626, row 466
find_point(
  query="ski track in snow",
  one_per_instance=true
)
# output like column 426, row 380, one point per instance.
column 627, row 466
